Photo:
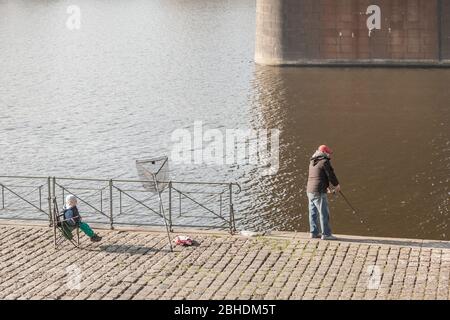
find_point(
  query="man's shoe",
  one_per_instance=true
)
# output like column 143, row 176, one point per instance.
column 330, row 237
column 314, row 235
column 96, row 238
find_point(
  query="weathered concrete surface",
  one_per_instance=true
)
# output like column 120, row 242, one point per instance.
column 315, row 32
column 138, row 265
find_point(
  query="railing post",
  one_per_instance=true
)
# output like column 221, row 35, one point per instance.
column 111, row 219
column 170, row 206
column 231, row 209
column 40, row 197
column 179, row 200
column 49, row 198
column 3, row 197
column 50, row 204
column 120, row 201
column 220, row 205
column 101, row 200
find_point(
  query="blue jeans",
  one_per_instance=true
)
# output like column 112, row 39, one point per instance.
column 318, row 206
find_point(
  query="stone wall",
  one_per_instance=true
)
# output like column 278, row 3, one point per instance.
column 336, row 31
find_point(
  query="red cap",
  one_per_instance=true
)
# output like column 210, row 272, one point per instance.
column 326, row 149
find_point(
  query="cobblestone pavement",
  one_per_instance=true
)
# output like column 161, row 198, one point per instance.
column 139, row 265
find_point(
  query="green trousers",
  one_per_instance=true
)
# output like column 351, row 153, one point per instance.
column 67, row 230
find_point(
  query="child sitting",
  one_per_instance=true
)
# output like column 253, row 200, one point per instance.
column 73, row 220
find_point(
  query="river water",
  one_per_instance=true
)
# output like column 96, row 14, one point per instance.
column 89, row 102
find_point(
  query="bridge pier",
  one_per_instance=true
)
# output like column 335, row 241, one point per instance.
column 353, row 32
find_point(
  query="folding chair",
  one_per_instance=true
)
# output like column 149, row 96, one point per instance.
column 62, row 230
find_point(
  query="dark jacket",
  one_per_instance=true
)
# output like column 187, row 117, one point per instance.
column 72, row 216
column 321, row 174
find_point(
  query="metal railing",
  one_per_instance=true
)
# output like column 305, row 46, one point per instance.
column 179, row 204
column 19, row 195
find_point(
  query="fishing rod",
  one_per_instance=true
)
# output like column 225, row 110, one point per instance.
column 350, row 205
column 348, row 202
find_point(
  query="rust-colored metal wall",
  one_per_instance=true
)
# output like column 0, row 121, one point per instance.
column 335, row 31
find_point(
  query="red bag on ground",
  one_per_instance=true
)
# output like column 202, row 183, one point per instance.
column 183, row 240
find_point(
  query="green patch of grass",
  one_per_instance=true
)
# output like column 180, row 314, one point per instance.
column 274, row 244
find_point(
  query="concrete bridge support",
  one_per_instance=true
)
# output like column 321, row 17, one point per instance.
column 353, row 32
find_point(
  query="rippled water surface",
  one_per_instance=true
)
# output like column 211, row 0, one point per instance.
column 89, row 102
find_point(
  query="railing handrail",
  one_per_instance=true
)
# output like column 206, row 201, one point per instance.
column 22, row 186
column 123, row 180
column 24, row 177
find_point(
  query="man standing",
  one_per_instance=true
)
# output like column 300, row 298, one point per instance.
column 320, row 179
